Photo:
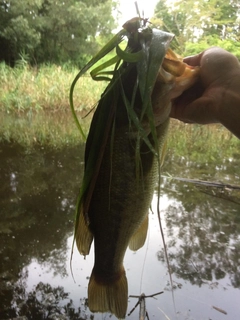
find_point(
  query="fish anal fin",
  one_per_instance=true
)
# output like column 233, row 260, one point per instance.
column 83, row 235
column 139, row 237
column 108, row 296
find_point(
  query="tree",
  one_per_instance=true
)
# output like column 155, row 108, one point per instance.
column 175, row 17
column 17, row 33
column 54, row 31
column 222, row 19
column 199, row 21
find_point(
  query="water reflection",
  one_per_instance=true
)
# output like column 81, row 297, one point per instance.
column 38, row 196
column 46, row 302
column 37, row 200
column 204, row 238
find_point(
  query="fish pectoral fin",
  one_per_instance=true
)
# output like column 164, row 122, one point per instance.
column 108, row 296
column 83, row 235
column 139, row 237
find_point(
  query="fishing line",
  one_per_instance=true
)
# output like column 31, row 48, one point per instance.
column 205, row 303
column 144, row 260
column 164, row 243
column 165, row 315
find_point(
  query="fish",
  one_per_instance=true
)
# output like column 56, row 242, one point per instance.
column 122, row 158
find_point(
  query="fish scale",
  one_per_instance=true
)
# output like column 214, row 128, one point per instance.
column 122, row 162
column 119, row 204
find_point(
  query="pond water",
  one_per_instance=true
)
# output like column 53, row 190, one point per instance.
column 201, row 226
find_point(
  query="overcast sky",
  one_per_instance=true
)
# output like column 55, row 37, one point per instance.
column 128, row 9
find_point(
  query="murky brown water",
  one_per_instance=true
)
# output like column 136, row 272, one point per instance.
column 38, row 193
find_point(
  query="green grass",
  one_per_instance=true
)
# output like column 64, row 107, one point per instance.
column 34, row 110
column 202, row 144
column 192, row 143
column 24, row 88
column 53, row 129
column 34, row 104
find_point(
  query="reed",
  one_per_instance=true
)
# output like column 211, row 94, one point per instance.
column 47, row 88
column 198, row 143
column 34, row 109
column 187, row 143
column 53, row 129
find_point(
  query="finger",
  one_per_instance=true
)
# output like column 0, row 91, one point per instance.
column 193, row 60
column 199, row 111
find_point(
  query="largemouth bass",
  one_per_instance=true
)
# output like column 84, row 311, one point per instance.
column 121, row 169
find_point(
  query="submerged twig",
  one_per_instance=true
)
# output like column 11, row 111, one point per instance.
column 221, row 196
column 211, row 184
column 141, row 301
column 205, row 183
column 220, row 310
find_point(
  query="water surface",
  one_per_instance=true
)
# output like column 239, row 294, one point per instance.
column 201, row 225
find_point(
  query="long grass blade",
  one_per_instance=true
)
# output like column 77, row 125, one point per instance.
column 105, row 50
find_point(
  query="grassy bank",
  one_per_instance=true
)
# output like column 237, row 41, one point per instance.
column 57, row 129
column 34, row 110
column 201, row 144
column 53, row 129
column 26, row 89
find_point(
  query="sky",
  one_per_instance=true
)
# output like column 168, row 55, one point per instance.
column 128, row 9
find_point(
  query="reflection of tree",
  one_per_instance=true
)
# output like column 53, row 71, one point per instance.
column 204, row 231
column 46, row 302
column 37, row 200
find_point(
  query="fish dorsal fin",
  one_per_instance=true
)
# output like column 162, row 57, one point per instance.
column 139, row 237
column 84, row 236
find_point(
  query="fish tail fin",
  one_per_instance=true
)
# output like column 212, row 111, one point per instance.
column 108, row 296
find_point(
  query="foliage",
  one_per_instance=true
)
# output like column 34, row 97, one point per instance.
column 45, row 302
column 55, row 31
column 206, row 24
column 34, row 109
column 24, row 88
column 200, row 144
column 42, row 183
column 232, row 46
column 194, row 143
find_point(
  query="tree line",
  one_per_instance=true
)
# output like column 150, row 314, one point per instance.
column 52, row 30
column 198, row 25
column 42, row 31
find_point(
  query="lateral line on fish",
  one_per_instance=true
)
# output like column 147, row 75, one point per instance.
column 111, row 154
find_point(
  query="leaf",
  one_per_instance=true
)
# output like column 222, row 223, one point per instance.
column 127, row 56
column 106, row 49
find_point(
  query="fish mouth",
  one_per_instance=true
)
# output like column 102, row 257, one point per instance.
column 174, row 77
column 174, row 70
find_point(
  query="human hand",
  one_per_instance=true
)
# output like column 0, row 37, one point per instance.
column 215, row 98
